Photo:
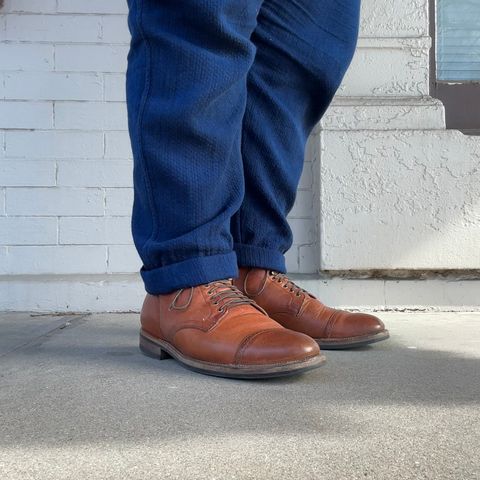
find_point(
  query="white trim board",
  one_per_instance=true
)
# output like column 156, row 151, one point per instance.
column 123, row 293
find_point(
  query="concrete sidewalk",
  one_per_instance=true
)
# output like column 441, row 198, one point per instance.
column 78, row 401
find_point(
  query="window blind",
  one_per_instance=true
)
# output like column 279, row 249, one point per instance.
column 458, row 40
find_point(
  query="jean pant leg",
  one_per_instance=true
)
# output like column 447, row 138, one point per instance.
column 186, row 97
column 304, row 48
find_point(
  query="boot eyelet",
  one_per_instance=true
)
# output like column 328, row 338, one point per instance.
column 215, row 303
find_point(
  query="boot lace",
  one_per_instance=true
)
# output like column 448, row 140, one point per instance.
column 225, row 294
column 287, row 283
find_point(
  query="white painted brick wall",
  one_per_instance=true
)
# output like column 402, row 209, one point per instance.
column 54, row 201
column 65, row 165
column 65, row 161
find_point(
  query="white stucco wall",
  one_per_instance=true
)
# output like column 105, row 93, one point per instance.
column 396, row 190
column 385, row 186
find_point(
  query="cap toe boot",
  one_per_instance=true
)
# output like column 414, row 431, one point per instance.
column 297, row 309
column 215, row 329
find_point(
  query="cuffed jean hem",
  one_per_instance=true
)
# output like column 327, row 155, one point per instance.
column 189, row 273
column 252, row 256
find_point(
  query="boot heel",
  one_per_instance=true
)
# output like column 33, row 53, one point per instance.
column 152, row 350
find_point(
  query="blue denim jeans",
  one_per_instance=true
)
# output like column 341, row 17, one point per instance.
column 221, row 97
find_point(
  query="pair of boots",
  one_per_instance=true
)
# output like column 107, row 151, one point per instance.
column 258, row 325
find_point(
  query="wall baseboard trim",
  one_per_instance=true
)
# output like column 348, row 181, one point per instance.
column 125, row 293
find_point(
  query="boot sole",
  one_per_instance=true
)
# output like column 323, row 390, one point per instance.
column 161, row 350
column 351, row 342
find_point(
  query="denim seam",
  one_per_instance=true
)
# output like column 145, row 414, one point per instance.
column 141, row 113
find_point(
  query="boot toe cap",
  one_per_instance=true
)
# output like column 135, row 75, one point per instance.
column 277, row 346
column 353, row 324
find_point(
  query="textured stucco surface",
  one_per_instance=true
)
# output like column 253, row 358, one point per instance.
column 391, row 18
column 388, row 67
column 347, row 113
column 399, row 199
column 396, row 190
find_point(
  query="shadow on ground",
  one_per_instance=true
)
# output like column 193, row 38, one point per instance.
column 87, row 381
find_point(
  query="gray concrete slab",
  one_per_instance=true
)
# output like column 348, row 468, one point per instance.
column 18, row 329
column 81, row 402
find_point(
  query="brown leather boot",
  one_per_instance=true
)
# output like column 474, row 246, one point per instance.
column 215, row 329
column 296, row 309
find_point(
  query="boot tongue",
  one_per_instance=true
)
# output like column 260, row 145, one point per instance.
column 221, row 284
column 255, row 280
column 256, row 276
column 233, row 297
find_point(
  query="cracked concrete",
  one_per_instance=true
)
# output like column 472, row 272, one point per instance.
column 78, row 400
